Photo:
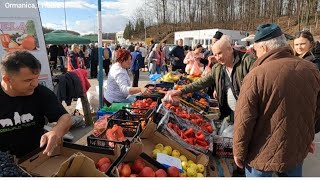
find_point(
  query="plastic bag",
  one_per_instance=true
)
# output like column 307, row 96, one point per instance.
column 228, row 132
column 189, row 67
column 171, row 99
column 195, row 70
column 224, row 126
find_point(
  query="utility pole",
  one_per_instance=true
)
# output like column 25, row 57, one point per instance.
column 100, row 75
column 145, row 25
column 65, row 14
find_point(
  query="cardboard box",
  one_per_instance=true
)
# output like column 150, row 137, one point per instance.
column 134, row 153
column 67, row 159
column 142, row 148
column 155, row 137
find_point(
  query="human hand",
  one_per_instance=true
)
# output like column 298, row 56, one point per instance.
column 52, row 139
column 215, row 95
column 145, row 91
column 238, row 162
column 176, row 58
column 312, row 148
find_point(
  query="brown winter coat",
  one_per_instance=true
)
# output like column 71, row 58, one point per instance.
column 277, row 111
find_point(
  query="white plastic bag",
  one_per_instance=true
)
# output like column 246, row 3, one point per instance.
column 228, row 132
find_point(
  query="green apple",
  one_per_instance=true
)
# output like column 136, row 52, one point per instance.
column 200, row 168
column 200, row 175
column 159, row 146
column 169, row 149
column 155, row 152
column 164, row 152
column 191, row 172
column 175, row 153
column 184, row 165
column 183, row 158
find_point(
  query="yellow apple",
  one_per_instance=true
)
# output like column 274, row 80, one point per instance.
column 168, row 149
column 183, row 174
column 13, row 44
column 184, row 165
column 193, row 166
column 164, row 152
column 183, row 158
column 200, row 175
column 191, row 172
column 159, row 146
column 155, row 152
column 200, row 168
column 175, row 153
column 190, row 162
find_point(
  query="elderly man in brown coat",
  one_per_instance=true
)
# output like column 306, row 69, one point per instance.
column 278, row 110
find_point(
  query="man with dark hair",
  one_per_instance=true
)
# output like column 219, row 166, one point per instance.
column 24, row 106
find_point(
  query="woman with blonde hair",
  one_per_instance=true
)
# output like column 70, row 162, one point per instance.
column 156, row 58
column 73, row 58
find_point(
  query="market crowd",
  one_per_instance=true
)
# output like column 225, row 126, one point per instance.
column 270, row 92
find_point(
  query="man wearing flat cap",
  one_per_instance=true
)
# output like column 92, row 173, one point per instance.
column 278, row 110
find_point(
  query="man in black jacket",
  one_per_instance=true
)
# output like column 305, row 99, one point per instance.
column 178, row 56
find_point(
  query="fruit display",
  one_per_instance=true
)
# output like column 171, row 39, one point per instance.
column 103, row 164
column 190, row 136
column 138, row 168
column 186, row 134
column 147, row 103
column 117, row 132
column 192, row 117
column 171, row 77
column 185, row 163
column 8, row 168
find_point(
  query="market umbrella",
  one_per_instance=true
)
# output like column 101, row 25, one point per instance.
column 62, row 37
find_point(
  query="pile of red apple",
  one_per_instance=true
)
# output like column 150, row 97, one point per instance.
column 196, row 119
column 190, row 136
column 147, row 103
column 140, row 169
column 103, row 164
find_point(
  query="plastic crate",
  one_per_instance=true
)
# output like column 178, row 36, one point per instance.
column 131, row 130
column 222, row 147
column 127, row 113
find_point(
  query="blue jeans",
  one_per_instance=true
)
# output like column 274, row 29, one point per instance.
column 295, row 172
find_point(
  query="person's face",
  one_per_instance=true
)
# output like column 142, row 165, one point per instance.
column 222, row 54
column 22, row 83
column 198, row 50
column 180, row 42
column 214, row 40
column 158, row 48
column 301, row 45
column 259, row 50
column 126, row 64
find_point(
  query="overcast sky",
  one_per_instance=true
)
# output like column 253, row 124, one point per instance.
column 82, row 14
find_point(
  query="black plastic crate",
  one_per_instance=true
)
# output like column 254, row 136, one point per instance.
column 131, row 130
column 222, row 147
column 135, row 114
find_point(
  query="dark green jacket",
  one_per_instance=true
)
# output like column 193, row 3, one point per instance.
column 242, row 65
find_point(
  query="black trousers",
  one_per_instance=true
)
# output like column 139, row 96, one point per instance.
column 106, row 66
column 135, row 78
column 93, row 69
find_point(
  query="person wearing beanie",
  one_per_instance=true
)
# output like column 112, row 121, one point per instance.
column 277, row 113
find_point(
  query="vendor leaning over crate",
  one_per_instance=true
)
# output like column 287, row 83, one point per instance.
column 226, row 76
column 24, row 106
